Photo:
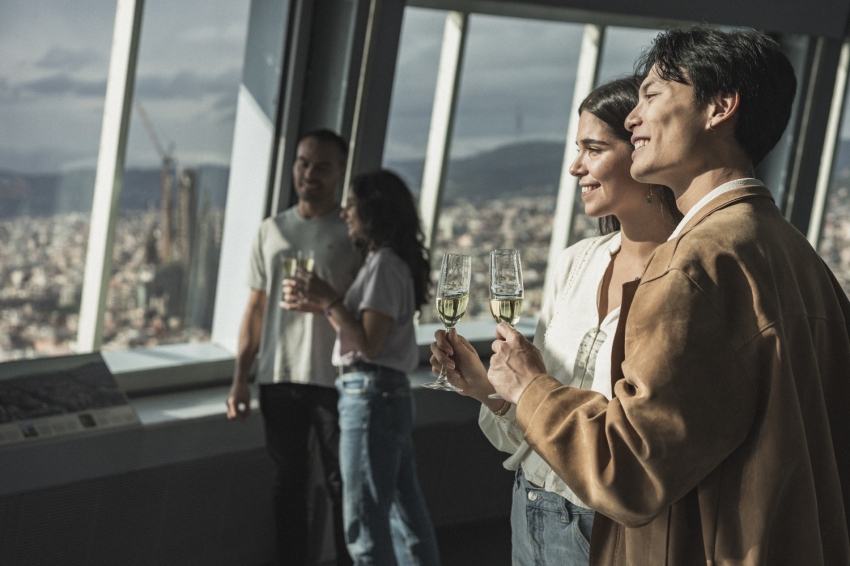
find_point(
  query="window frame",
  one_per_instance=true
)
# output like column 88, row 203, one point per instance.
column 187, row 365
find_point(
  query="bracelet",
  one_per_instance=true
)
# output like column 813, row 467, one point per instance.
column 503, row 409
column 332, row 305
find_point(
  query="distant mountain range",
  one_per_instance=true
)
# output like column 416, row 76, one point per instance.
column 530, row 168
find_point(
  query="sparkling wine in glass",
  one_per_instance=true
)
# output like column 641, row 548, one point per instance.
column 506, row 290
column 289, row 260
column 306, row 261
column 452, row 300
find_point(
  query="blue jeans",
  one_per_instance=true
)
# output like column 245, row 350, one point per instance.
column 547, row 529
column 386, row 521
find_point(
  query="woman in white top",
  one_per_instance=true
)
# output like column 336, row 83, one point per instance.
column 579, row 315
column 384, row 514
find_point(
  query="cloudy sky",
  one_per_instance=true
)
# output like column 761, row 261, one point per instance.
column 516, row 84
column 53, row 79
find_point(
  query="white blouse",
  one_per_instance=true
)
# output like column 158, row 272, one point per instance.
column 576, row 350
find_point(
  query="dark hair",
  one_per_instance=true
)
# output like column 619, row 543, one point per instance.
column 329, row 136
column 611, row 103
column 390, row 218
column 743, row 61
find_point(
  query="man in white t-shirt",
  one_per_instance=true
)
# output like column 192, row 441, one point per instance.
column 294, row 368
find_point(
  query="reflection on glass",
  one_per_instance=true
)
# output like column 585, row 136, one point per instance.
column 834, row 244
column 620, row 48
column 413, row 93
column 508, row 148
column 168, row 233
column 52, row 85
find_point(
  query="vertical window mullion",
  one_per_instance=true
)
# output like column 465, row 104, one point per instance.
column 833, row 129
column 588, row 66
column 442, row 121
column 374, row 90
column 110, row 171
column 252, row 154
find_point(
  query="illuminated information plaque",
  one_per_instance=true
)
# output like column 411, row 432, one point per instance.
column 51, row 397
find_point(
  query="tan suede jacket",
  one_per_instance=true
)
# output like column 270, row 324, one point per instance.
column 728, row 437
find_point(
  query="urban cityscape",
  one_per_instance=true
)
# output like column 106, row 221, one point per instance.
column 162, row 290
column 476, row 228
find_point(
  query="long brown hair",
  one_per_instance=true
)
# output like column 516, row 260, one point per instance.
column 390, row 218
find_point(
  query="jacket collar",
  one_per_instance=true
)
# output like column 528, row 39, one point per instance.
column 724, row 200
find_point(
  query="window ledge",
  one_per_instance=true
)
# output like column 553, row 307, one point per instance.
column 170, row 367
column 176, row 367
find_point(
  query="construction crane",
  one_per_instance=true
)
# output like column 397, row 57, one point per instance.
column 165, row 176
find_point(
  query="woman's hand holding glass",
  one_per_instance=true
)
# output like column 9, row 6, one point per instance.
column 452, row 300
column 463, row 367
column 307, row 293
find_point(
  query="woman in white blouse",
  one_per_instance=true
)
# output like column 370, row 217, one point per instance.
column 577, row 321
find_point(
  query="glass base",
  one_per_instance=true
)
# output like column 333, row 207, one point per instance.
column 494, row 396
column 441, row 386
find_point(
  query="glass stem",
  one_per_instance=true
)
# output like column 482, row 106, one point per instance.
column 443, row 378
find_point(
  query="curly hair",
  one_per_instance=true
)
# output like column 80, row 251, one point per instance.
column 390, row 218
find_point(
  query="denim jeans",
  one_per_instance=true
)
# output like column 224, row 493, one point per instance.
column 386, row 521
column 547, row 529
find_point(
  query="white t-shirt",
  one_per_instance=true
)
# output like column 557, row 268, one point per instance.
column 576, row 349
column 384, row 284
column 297, row 346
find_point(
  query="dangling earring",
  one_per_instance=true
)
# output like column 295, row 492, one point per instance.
column 648, row 195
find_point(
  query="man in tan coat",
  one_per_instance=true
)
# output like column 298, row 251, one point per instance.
column 728, row 437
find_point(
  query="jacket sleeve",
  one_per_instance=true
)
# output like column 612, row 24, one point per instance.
column 684, row 402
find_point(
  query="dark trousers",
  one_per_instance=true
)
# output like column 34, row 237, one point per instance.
column 290, row 410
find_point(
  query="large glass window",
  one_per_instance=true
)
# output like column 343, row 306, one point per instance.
column 52, row 87
column 834, row 243
column 507, row 148
column 413, row 93
column 168, row 232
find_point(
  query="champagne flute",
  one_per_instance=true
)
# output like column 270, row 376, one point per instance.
column 306, row 261
column 452, row 300
column 289, row 259
column 506, row 290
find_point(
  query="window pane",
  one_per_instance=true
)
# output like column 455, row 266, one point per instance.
column 620, row 48
column 413, row 93
column 834, row 244
column 165, row 257
column 507, row 149
column 52, row 86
